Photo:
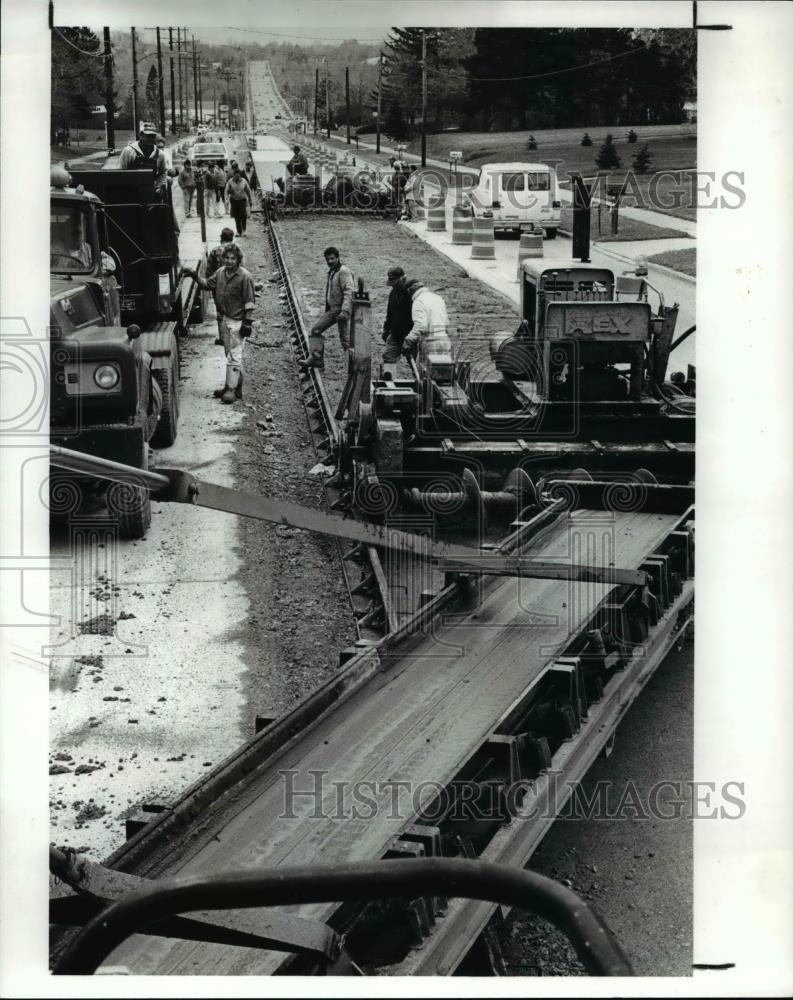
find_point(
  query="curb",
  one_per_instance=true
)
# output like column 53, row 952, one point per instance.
column 650, row 264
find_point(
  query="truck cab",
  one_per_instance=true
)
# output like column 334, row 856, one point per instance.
column 518, row 195
column 113, row 373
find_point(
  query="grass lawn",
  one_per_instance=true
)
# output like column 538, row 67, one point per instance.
column 628, row 229
column 684, row 261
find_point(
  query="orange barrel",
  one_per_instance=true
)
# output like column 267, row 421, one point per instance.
column 462, row 225
column 436, row 217
column 483, row 246
column 530, row 246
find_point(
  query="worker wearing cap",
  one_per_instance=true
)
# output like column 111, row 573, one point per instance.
column 144, row 155
column 398, row 318
column 430, row 330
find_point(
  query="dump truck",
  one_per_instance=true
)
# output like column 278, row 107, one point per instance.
column 117, row 308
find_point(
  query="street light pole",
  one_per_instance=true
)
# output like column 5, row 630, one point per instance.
column 327, row 98
column 195, row 80
column 316, row 97
column 135, row 118
column 347, row 99
column 423, row 97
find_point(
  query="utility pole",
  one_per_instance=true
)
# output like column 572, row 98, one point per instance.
column 110, row 108
column 316, row 97
column 179, row 74
column 423, row 98
column 160, row 86
column 379, row 98
column 347, row 98
column 173, row 103
column 200, row 93
column 195, row 80
column 327, row 98
column 135, row 117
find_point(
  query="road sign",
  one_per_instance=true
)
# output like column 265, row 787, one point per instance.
column 455, row 154
column 223, row 107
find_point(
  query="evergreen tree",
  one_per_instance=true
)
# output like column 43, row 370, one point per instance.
column 632, row 137
column 641, row 160
column 607, row 158
column 532, row 143
column 394, row 123
column 76, row 78
column 152, row 102
column 587, row 140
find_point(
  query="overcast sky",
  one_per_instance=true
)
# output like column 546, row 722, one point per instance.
column 331, row 21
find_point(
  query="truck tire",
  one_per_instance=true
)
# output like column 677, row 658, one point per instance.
column 199, row 311
column 550, row 234
column 130, row 506
column 168, row 381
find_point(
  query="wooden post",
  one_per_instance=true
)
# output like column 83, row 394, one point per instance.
column 160, row 87
column 379, row 101
column 135, row 115
column 423, row 98
column 347, row 99
column 110, row 108
column 173, row 89
column 316, row 97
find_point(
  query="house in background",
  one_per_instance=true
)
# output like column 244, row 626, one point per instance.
column 690, row 111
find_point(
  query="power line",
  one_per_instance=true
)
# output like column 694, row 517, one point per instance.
column 310, row 38
column 98, row 52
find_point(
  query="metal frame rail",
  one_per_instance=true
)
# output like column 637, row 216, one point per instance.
column 368, row 593
column 580, row 698
column 590, row 936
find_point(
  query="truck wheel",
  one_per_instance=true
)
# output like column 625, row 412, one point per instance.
column 168, row 381
column 550, row 234
column 199, row 311
column 130, row 506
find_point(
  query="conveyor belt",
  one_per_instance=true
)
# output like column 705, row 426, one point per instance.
column 416, row 721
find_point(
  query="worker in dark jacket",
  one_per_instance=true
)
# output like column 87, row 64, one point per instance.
column 398, row 319
column 298, row 164
column 144, row 155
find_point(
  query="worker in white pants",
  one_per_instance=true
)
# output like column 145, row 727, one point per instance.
column 235, row 298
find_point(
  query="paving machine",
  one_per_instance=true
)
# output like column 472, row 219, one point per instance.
column 579, row 389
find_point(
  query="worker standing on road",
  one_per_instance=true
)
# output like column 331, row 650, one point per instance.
column 235, row 296
column 144, row 155
column 398, row 318
column 214, row 263
column 338, row 306
column 214, row 184
column 430, row 329
column 238, row 200
column 298, row 164
column 187, row 182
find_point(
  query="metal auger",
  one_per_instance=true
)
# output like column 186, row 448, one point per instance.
column 517, row 493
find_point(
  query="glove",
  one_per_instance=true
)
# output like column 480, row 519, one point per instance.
column 409, row 344
column 246, row 329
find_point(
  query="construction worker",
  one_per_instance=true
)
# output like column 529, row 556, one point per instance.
column 214, row 185
column 298, row 164
column 235, row 297
column 187, row 182
column 214, row 263
column 398, row 318
column 338, row 306
column 430, row 330
column 144, row 155
column 238, row 200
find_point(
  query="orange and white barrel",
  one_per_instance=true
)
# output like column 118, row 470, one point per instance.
column 530, row 246
column 483, row 245
column 436, row 217
column 462, row 225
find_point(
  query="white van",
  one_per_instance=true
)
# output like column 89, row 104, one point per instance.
column 517, row 194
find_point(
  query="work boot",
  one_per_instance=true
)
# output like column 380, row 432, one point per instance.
column 228, row 395
column 218, row 393
column 238, row 390
column 316, row 358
